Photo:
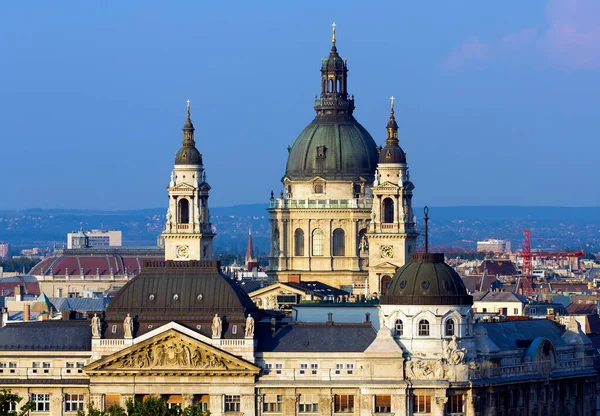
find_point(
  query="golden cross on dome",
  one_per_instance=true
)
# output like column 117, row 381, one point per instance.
column 188, row 105
column 333, row 25
column 392, row 98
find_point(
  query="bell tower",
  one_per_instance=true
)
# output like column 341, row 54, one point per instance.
column 391, row 236
column 188, row 233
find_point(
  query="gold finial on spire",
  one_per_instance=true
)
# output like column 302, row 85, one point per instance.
column 188, row 106
column 333, row 25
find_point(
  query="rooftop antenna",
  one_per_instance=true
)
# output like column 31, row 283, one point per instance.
column 426, row 218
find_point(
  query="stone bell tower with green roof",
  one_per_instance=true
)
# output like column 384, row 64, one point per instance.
column 188, row 233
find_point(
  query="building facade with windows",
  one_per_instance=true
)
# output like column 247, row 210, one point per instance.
column 183, row 331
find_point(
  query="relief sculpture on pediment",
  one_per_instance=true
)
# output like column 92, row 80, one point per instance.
column 172, row 354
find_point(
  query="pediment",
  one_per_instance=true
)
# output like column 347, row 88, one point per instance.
column 387, row 185
column 276, row 287
column 182, row 186
column 172, row 352
column 386, row 266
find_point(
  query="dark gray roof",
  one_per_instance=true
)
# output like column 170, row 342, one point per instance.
column 317, row 288
column 495, row 296
column 176, row 291
column 512, row 335
column 302, row 337
column 80, row 304
column 426, row 280
column 47, row 336
column 19, row 279
column 250, row 286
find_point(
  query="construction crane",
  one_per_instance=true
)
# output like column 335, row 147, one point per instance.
column 526, row 279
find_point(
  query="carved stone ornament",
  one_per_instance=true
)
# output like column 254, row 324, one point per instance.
column 172, row 352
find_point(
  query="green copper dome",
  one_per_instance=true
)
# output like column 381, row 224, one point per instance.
column 426, row 280
column 334, row 149
column 334, row 145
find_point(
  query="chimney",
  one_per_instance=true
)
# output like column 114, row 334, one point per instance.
column 1, row 272
column 367, row 317
column 294, row 278
column 65, row 315
column 26, row 312
column 273, row 326
column 18, row 291
column 4, row 316
column 330, row 318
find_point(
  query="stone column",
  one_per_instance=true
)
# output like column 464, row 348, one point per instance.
column 125, row 398
column 187, row 400
column 96, row 400
column 399, row 404
column 438, row 403
column 247, row 406
column 215, row 404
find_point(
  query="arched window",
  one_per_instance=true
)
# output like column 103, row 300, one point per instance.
column 317, row 242
column 299, row 242
column 337, row 85
column 385, row 282
column 449, row 327
column 467, row 329
column 339, row 243
column 183, row 211
column 388, row 210
column 399, row 327
column 330, row 85
column 423, row 328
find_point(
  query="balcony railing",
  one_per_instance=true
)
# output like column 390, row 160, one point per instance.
column 365, row 203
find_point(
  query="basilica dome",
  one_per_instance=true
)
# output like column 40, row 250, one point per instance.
column 334, row 145
column 426, row 280
column 334, row 150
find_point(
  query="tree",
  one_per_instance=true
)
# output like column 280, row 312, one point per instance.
column 9, row 401
column 151, row 406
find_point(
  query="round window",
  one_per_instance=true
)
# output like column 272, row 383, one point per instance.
column 403, row 284
column 199, row 297
column 151, row 297
column 175, row 297
column 425, row 285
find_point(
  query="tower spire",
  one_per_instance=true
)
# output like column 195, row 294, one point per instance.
column 392, row 126
column 333, row 25
column 188, row 127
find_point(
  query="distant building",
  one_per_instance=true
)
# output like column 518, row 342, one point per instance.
column 94, row 238
column 501, row 303
column 77, row 273
column 3, row 250
column 497, row 246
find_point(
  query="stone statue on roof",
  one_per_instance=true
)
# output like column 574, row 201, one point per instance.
column 217, row 326
column 249, row 327
column 128, row 326
column 96, row 326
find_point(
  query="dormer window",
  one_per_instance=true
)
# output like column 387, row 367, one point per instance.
column 321, row 152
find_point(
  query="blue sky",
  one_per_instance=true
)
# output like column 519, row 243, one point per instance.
column 497, row 102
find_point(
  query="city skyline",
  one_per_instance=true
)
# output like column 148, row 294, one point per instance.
column 487, row 99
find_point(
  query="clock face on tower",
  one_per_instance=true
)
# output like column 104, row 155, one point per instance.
column 387, row 252
column 183, row 252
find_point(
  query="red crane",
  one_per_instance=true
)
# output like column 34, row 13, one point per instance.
column 526, row 279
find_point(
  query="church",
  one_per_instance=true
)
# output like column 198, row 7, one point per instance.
column 345, row 215
column 185, row 332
